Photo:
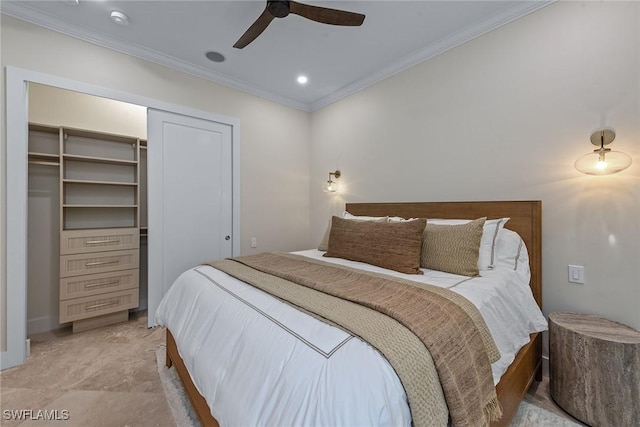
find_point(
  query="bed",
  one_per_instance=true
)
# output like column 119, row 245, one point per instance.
column 512, row 381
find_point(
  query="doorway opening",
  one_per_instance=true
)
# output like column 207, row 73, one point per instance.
column 74, row 179
column 13, row 342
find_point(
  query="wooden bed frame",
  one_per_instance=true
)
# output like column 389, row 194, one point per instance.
column 525, row 219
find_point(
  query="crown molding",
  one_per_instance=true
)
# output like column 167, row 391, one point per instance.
column 467, row 34
column 26, row 13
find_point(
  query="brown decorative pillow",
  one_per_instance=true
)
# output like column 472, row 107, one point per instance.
column 324, row 244
column 452, row 248
column 395, row 246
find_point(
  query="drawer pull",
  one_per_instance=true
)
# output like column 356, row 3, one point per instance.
column 104, row 304
column 97, row 242
column 95, row 285
column 93, row 264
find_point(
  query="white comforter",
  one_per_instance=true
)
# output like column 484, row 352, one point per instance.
column 258, row 361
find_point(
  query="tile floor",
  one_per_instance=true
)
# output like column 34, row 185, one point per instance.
column 103, row 377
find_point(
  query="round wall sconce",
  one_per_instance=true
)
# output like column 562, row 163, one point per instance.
column 603, row 161
column 332, row 186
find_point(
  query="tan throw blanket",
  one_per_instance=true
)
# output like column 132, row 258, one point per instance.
column 444, row 322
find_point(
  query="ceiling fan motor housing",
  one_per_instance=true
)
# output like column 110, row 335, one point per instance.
column 278, row 8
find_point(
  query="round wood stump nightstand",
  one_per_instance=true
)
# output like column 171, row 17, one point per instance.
column 595, row 369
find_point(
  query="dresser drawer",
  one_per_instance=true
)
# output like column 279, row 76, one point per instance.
column 108, row 239
column 102, row 262
column 84, row 308
column 95, row 284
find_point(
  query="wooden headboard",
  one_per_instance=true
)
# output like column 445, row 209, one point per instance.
column 525, row 219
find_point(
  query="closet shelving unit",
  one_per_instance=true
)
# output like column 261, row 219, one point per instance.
column 99, row 173
column 99, row 227
column 99, row 176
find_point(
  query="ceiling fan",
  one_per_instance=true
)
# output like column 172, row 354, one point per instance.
column 280, row 9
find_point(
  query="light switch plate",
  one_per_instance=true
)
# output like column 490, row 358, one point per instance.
column 576, row 274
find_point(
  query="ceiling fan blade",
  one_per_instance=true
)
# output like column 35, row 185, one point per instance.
column 255, row 30
column 326, row 15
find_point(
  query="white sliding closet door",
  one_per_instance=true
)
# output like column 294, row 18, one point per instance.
column 190, row 206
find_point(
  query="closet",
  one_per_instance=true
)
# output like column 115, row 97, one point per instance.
column 101, row 222
column 87, row 199
column 33, row 193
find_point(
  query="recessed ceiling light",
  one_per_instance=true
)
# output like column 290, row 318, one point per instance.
column 302, row 79
column 73, row 2
column 214, row 56
column 119, row 17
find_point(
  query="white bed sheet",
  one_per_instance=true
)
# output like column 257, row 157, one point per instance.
column 303, row 371
column 502, row 296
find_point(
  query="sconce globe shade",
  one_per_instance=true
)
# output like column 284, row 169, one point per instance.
column 601, row 162
column 330, row 187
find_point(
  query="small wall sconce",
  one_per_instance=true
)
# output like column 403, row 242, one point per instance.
column 332, row 186
column 603, row 161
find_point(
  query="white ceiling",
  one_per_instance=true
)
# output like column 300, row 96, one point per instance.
column 337, row 60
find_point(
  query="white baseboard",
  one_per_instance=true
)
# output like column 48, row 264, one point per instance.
column 42, row 324
column 545, row 366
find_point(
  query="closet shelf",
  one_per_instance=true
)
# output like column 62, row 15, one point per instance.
column 99, row 206
column 101, row 228
column 85, row 181
column 91, row 159
column 43, row 156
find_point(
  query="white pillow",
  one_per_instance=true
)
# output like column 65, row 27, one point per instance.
column 486, row 256
column 400, row 219
column 511, row 253
column 347, row 215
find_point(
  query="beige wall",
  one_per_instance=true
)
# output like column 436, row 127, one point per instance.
column 58, row 107
column 274, row 138
column 504, row 117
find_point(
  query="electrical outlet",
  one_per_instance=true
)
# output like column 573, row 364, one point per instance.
column 576, row 274
column 254, row 242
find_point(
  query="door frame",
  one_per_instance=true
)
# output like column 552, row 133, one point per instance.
column 17, row 121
